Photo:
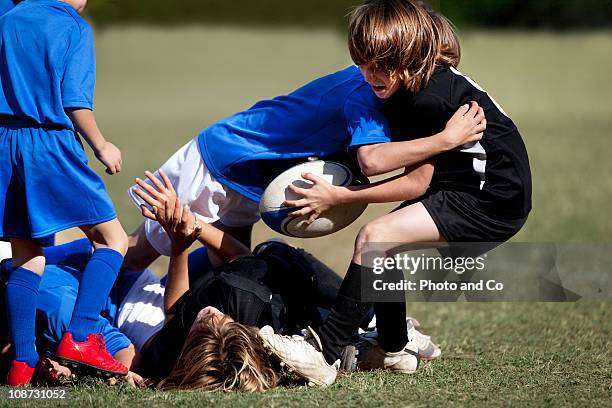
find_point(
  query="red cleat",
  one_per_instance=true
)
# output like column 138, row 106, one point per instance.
column 20, row 374
column 89, row 356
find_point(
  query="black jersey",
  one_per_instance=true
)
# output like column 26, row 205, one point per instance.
column 276, row 287
column 495, row 171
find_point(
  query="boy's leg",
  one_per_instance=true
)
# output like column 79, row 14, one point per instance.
column 21, row 295
column 411, row 224
column 82, row 346
column 110, row 245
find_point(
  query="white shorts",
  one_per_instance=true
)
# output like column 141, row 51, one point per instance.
column 207, row 198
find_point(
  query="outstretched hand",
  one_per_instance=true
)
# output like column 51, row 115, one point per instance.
column 178, row 221
column 315, row 200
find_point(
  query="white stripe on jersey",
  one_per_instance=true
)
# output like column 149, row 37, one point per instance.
column 479, row 162
column 467, row 78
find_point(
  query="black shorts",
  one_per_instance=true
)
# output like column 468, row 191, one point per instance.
column 462, row 217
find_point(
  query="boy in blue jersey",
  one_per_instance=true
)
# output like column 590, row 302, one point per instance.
column 6, row 6
column 222, row 173
column 47, row 72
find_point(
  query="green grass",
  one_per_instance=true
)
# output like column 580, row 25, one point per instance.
column 158, row 88
column 494, row 355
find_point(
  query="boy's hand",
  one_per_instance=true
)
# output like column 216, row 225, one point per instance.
column 315, row 200
column 178, row 221
column 132, row 379
column 467, row 125
column 110, row 156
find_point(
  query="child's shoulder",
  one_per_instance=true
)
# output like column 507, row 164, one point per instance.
column 51, row 15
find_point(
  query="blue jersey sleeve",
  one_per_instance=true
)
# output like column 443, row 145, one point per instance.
column 365, row 123
column 6, row 6
column 115, row 340
column 79, row 78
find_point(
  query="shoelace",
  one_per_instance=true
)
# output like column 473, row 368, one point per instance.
column 100, row 340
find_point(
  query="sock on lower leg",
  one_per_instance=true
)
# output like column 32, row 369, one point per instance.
column 391, row 325
column 346, row 314
column 98, row 278
column 21, row 297
column 391, row 316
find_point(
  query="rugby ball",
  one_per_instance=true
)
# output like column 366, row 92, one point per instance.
column 277, row 217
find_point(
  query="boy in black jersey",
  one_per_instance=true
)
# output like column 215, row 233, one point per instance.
column 479, row 192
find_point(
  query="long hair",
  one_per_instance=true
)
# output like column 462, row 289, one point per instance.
column 224, row 357
column 450, row 50
column 402, row 38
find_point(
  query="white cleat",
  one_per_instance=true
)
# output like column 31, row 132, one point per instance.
column 373, row 357
column 300, row 356
column 5, row 251
column 427, row 349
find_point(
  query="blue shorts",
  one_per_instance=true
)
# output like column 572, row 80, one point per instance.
column 46, row 185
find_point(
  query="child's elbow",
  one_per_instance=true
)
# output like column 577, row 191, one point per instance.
column 368, row 169
column 368, row 162
column 421, row 189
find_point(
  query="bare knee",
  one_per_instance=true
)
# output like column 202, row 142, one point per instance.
column 108, row 235
column 29, row 255
column 119, row 242
column 371, row 233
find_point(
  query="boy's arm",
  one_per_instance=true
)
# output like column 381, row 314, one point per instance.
column 85, row 123
column 183, row 228
column 412, row 184
column 465, row 126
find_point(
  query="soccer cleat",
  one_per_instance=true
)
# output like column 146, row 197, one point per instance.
column 20, row 374
column 89, row 356
column 427, row 349
column 300, row 356
column 372, row 357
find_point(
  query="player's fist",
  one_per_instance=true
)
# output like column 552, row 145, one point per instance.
column 467, row 125
column 110, row 156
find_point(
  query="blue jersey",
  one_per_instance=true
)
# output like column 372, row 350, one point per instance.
column 325, row 117
column 6, row 6
column 47, row 63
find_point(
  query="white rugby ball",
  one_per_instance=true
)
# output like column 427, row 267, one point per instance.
column 276, row 216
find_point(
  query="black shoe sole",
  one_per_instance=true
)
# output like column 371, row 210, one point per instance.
column 348, row 359
column 86, row 369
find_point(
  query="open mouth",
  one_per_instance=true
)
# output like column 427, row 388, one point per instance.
column 378, row 88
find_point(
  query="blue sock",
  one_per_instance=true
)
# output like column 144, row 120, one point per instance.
column 21, row 296
column 98, row 278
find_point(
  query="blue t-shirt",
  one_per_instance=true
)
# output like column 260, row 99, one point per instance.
column 324, row 117
column 47, row 63
column 6, row 6
column 57, row 295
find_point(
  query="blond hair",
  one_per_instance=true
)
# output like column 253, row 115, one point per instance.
column 225, row 357
column 402, row 38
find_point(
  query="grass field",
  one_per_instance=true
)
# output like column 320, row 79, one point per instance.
column 158, row 88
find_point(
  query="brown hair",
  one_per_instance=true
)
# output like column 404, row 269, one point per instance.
column 225, row 357
column 402, row 38
column 450, row 50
